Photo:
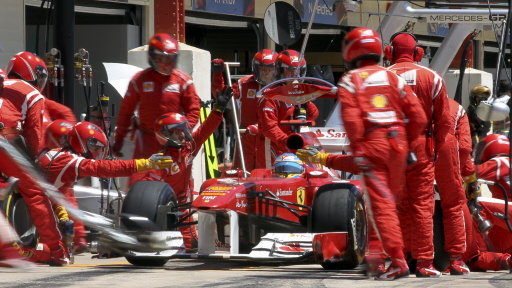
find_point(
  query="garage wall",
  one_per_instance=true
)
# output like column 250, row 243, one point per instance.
column 12, row 29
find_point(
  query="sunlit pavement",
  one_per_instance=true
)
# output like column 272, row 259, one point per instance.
column 117, row 272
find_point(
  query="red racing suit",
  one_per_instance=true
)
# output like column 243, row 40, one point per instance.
column 417, row 206
column 20, row 114
column 270, row 114
column 151, row 95
column 449, row 183
column 179, row 175
column 245, row 92
column 374, row 102
column 64, row 168
column 54, row 110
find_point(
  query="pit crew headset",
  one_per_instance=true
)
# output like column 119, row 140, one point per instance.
column 402, row 43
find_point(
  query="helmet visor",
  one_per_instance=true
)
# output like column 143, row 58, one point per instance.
column 266, row 74
column 288, row 168
column 163, row 62
column 41, row 77
column 177, row 134
column 96, row 149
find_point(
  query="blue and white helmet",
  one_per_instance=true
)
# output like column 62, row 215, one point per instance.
column 288, row 165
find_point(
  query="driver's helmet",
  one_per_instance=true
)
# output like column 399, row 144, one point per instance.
column 264, row 66
column 88, row 140
column 478, row 94
column 491, row 146
column 288, row 165
column 163, row 53
column 56, row 134
column 171, row 130
column 29, row 67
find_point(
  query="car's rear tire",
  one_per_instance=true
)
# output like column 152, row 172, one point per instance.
column 16, row 211
column 143, row 199
column 335, row 211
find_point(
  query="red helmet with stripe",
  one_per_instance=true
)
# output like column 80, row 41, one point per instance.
column 171, row 130
column 88, row 140
column 29, row 67
column 491, row 146
column 56, row 134
column 264, row 66
column 163, row 53
column 361, row 44
column 291, row 65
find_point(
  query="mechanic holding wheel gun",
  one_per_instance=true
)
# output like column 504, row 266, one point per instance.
column 374, row 105
column 172, row 131
column 85, row 156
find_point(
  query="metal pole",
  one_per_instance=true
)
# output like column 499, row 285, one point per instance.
column 235, row 118
column 65, row 42
column 306, row 37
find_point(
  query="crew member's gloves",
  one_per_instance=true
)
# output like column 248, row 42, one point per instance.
column 252, row 129
column 156, row 161
column 223, row 98
column 472, row 187
column 116, row 149
column 362, row 162
column 312, row 155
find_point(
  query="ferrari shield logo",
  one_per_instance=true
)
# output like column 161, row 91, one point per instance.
column 379, row 101
column 301, row 196
column 175, row 168
column 148, row 86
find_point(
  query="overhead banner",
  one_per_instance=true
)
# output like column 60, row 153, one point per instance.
column 231, row 7
column 458, row 18
column 327, row 11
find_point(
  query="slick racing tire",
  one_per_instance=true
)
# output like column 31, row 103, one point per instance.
column 143, row 199
column 441, row 257
column 17, row 214
column 335, row 211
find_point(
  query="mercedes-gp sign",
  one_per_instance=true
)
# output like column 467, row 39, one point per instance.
column 282, row 23
column 457, row 18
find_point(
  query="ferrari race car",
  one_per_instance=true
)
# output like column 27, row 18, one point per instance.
column 261, row 217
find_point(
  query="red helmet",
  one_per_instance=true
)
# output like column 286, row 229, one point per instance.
column 361, row 43
column 264, row 66
column 290, row 64
column 171, row 130
column 89, row 140
column 491, row 146
column 56, row 134
column 29, row 67
column 163, row 53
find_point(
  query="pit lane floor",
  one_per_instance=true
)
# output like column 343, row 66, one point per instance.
column 117, row 272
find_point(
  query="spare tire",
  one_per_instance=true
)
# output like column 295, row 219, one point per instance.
column 342, row 210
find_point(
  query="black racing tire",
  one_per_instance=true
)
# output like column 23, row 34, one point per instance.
column 441, row 257
column 16, row 211
column 144, row 197
column 334, row 211
column 146, row 261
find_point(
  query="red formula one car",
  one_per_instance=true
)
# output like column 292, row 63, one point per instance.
column 261, row 217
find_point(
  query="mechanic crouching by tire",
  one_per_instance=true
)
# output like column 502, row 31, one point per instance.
column 374, row 104
column 84, row 156
column 173, row 133
column 21, row 123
